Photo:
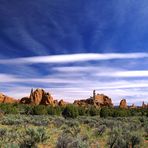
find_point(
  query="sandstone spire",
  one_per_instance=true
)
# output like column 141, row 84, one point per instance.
column 123, row 104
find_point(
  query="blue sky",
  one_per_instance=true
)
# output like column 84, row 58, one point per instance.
column 72, row 47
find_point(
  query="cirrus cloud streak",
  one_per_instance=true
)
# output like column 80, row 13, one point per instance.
column 69, row 58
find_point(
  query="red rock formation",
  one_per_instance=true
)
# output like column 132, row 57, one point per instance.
column 38, row 97
column 6, row 99
column 55, row 102
column 62, row 103
column 144, row 105
column 123, row 104
column 98, row 100
column 25, row 100
column 133, row 106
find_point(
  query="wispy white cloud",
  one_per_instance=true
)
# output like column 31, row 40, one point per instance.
column 133, row 73
column 12, row 78
column 67, row 58
column 83, row 69
column 67, row 83
column 140, row 73
column 103, row 71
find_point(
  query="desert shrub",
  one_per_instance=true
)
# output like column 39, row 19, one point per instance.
column 11, row 122
column 58, row 122
column 136, row 112
column 26, row 109
column 146, row 130
column 38, row 120
column 92, row 111
column 40, row 110
column 114, row 135
column 3, row 133
column 120, row 113
column 67, row 141
column 34, row 136
column 104, row 112
column 81, row 111
column 70, row 111
column 9, row 108
column 13, row 135
column 70, row 138
column 10, row 145
column 100, row 130
column 122, row 136
column 135, row 139
column 54, row 110
column 72, row 123
column 64, row 141
column 114, row 112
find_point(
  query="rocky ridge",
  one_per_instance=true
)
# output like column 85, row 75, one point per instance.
column 40, row 97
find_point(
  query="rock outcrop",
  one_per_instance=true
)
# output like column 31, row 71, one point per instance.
column 55, row 102
column 6, row 99
column 62, row 103
column 133, row 106
column 144, row 105
column 123, row 104
column 98, row 100
column 38, row 97
column 25, row 100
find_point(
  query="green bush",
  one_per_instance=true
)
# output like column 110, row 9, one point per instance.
column 92, row 111
column 70, row 111
column 81, row 111
column 9, row 108
column 40, row 110
column 26, row 109
column 54, row 110
column 71, row 138
column 34, row 136
column 104, row 112
column 120, row 113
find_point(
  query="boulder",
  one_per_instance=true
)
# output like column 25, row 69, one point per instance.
column 6, row 99
column 123, row 104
